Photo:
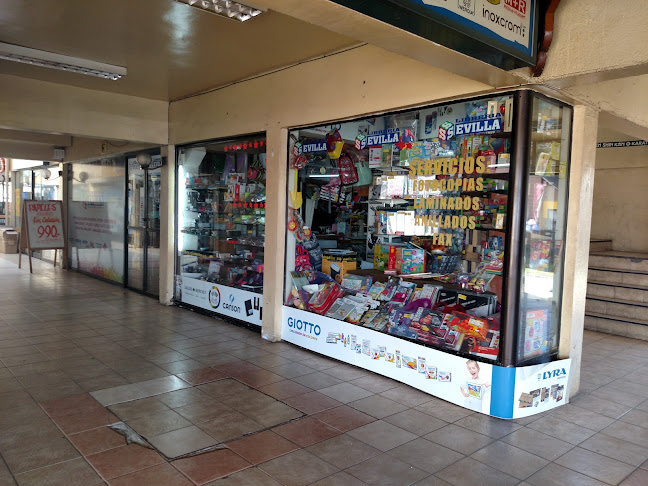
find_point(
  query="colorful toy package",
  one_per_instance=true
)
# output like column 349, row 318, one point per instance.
column 471, row 326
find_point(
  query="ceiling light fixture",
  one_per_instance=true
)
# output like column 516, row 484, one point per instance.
column 51, row 60
column 226, row 8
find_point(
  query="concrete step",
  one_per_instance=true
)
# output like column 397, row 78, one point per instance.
column 626, row 309
column 617, row 291
column 619, row 326
column 600, row 245
column 619, row 260
column 612, row 275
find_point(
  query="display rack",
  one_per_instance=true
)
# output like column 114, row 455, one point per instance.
column 461, row 266
column 221, row 228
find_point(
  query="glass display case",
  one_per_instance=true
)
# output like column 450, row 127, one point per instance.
column 544, row 230
column 422, row 236
column 221, row 227
column 431, row 239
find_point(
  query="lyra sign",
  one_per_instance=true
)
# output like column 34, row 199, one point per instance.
column 500, row 32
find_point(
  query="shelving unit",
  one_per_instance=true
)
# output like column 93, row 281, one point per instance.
column 222, row 242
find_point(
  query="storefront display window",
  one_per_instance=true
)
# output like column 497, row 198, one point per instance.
column 221, row 227
column 544, row 229
column 96, row 217
column 410, row 212
column 401, row 224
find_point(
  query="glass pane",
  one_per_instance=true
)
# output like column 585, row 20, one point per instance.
column 136, row 226
column 96, row 217
column 221, row 214
column 51, row 183
column 398, row 223
column 38, row 185
column 153, row 227
column 545, row 227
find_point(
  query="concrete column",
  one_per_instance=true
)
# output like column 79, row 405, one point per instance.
column 579, row 222
column 275, row 232
column 167, row 226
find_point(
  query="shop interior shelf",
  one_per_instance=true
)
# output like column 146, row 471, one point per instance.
column 485, row 191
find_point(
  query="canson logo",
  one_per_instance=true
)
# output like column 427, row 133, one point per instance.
column 305, row 326
column 230, row 306
column 545, row 375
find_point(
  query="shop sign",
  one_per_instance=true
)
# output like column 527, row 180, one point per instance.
column 478, row 124
column 500, row 32
column 228, row 301
column 310, row 146
column 374, row 139
column 482, row 387
column 628, row 143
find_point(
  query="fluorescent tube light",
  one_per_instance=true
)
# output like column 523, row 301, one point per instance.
column 51, row 60
column 226, row 8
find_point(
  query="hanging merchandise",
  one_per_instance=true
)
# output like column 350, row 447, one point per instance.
column 348, row 174
column 296, row 226
column 334, row 144
column 295, row 194
column 364, row 172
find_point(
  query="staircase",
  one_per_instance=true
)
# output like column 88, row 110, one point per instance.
column 617, row 293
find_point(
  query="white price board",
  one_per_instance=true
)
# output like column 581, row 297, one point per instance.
column 43, row 225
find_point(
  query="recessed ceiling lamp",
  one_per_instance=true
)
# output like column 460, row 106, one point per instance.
column 226, row 8
column 51, row 60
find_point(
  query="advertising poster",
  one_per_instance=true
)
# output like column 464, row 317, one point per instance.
column 540, row 388
column 44, row 221
column 508, row 21
column 96, row 239
column 482, row 387
column 239, row 304
column 458, row 380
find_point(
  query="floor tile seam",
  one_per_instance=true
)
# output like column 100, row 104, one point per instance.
column 523, row 451
column 589, row 475
column 11, row 473
column 96, row 470
column 234, row 411
column 605, row 455
column 346, row 470
column 301, row 449
column 571, row 448
column 55, row 464
column 68, row 435
column 298, row 447
column 564, row 419
column 171, row 463
column 626, row 440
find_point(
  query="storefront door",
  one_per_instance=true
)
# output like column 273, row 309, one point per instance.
column 143, row 219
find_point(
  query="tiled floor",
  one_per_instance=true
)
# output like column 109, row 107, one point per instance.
column 77, row 355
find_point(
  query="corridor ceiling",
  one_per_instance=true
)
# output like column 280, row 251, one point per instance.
column 171, row 50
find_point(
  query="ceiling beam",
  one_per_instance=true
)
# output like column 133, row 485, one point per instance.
column 345, row 21
column 49, row 139
column 25, row 150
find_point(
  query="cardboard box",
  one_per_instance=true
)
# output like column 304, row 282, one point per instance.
column 9, row 236
column 6, row 229
column 8, row 246
column 337, row 265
